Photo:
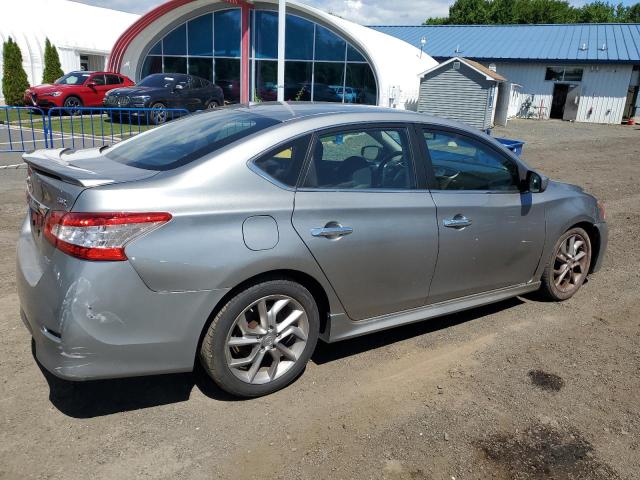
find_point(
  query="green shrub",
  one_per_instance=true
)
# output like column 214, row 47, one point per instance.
column 14, row 78
column 52, row 68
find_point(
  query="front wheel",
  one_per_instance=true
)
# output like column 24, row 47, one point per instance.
column 72, row 105
column 158, row 114
column 568, row 266
column 262, row 339
column 212, row 105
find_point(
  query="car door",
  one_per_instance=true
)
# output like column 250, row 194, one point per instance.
column 198, row 94
column 113, row 81
column 491, row 233
column 178, row 96
column 368, row 219
column 96, row 91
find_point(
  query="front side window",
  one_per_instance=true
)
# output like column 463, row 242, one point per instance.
column 73, row 79
column 463, row 163
column 375, row 158
column 158, row 81
column 283, row 164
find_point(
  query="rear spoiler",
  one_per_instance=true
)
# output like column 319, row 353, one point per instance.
column 51, row 163
column 86, row 168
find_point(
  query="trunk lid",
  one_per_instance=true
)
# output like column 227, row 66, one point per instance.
column 56, row 178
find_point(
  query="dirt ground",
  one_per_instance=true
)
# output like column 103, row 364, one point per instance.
column 517, row 390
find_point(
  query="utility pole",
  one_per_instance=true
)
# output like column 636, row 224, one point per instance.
column 282, row 18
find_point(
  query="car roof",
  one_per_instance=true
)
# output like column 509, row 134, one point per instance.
column 91, row 72
column 173, row 75
column 296, row 111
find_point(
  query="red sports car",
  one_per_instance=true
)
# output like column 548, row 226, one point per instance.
column 76, row 89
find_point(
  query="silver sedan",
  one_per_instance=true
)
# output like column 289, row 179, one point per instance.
column 240, row 237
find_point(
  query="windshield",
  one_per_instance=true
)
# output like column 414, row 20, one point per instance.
column 73, row 79
column 188, row 139
column 158, row 81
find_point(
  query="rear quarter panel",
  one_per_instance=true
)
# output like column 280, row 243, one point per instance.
column 202, row 247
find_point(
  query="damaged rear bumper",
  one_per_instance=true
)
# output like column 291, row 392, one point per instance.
column 93, row 320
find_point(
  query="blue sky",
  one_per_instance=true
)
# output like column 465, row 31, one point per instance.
column 367, row 12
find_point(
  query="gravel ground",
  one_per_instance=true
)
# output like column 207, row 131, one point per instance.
column 517, row 390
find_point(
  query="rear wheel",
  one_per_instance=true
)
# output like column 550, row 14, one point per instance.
column 158, row 114
column 72, row 105
column 568, row 266
column 261, row 340
column 212, row 105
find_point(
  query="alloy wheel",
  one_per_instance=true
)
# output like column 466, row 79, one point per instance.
column 158, row 114
column 72, row 104
column 267, row 339
column 571, row 263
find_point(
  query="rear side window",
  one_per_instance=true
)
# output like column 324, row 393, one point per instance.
column 371, row 158
column 113, row 80
column 183, row 141
column 283, row 164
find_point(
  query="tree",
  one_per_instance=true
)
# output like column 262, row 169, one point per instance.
column 598, row 12
column 497, row 12
column 502, row 11
column 52, row 68
column 14, row 78
column 469, row 12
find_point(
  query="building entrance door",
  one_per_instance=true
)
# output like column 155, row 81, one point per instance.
column 571, row 103
column 560, row 91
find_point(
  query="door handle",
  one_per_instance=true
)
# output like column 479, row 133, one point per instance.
column 459, row 221
column 331, row 231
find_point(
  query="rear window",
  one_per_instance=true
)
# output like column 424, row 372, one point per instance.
column 183, row 141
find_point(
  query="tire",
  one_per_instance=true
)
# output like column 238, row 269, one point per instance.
column 70, row 102
column 568, row 266
column 247, row 360
column 158, row 117
column 212, row 105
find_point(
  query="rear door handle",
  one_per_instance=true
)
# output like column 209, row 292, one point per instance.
column 333, row 231
column 459, row 221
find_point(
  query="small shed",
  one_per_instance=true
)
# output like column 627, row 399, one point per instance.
column 460, row 89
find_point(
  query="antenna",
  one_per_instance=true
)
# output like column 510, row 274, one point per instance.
column 583, row 47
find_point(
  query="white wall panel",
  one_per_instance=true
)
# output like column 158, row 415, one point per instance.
column 603, row 94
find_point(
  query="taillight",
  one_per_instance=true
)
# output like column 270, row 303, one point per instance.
column 99, row 236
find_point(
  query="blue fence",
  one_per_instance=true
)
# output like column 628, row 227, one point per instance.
column 29, row 128
column 22, row 129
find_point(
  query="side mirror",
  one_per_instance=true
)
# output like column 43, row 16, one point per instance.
column 535, row 182
column 178, row 87
column 370, row 152
column 91, row 84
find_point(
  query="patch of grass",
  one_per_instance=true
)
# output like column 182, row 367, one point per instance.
column 92, row 127
column 98, row 126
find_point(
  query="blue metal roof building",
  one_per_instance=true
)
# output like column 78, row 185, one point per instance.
column 576, row 43
column 578, row 72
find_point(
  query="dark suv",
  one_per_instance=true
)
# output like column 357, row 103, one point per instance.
column 167, row 90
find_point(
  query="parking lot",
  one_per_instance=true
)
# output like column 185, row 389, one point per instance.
column 518, row 390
